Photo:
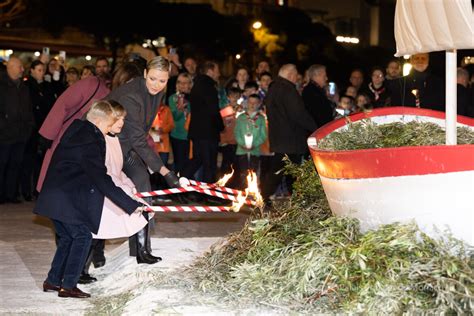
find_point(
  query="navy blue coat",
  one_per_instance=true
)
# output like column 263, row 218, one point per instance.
column 77, row 180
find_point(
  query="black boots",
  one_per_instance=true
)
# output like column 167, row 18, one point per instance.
column 98, row 257
column 143, row 247
column 85, row 277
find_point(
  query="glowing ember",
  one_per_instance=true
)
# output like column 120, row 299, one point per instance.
column 251, row 191
column 222, row 181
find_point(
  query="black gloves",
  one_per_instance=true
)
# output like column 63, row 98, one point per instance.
column 172, row 180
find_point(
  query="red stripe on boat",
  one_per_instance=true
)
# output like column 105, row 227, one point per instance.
column 392, row 162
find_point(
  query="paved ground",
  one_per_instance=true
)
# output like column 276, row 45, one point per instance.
column 27, row 247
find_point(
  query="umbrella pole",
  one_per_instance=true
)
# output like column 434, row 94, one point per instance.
column 451, row 97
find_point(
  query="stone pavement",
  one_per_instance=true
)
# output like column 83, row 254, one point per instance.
column 27, row 247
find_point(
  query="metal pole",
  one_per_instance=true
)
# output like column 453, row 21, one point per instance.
column 451, row 97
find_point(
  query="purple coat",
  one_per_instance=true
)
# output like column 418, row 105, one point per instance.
column 65, row 108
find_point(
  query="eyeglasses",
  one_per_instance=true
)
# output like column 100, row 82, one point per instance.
column 377, row 76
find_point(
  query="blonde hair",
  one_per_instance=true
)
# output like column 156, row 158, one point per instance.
column 117, row 109
column 101, row 109
column 159, row 63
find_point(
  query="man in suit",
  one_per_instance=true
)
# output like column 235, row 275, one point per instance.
column 16, row 125
column 420, row 88
column 73, row 196
column 289, row 124
column 315, row 98
column 206, row 123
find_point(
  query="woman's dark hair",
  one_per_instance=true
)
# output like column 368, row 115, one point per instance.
column 126, row 72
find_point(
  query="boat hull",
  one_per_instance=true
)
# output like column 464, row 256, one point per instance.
column 432, row 185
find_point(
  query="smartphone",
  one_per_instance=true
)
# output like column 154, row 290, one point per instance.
column 46, row 51
column 332, row 88
column 62, row 55
column 172, row 51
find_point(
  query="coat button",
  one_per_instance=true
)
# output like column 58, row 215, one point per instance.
column 92, row 191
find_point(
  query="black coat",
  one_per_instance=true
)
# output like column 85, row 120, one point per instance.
column 430, row 87
column 289, row 123
column 206, row 121
column 318, row 105
column 43, row 97
column 142, row 108
column 16, row 117
column 77, row 180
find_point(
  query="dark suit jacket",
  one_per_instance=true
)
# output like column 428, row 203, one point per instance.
column 77, row 180
column 16, row 116
column 317, row 103
column 206, row 121
column 142, row 108
column 289, row 123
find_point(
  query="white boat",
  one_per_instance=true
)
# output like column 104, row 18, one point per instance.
column 432, row 185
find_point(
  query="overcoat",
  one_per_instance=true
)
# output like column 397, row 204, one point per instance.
column 77, row 180
column 289, row 123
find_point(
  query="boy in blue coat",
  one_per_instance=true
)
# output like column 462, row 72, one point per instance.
column 73, row 196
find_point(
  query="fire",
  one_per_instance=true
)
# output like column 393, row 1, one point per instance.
column 222, row 181
column 250, row 192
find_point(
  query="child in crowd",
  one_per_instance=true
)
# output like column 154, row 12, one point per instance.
column 345, row 106
column 227, row 139
column 250, row 133
column 251, row 87
column 180, row 109
column 363, row 102
column 160, row 132
column 73, row 193
column 264, row 82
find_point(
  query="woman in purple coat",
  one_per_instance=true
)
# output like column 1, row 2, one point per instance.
column 71, row 105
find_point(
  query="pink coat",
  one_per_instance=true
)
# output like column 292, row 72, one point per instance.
column 115, row 222
column 67, row 104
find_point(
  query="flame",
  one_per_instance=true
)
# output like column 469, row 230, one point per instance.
column 241, row 198
column 251, row 191
column 222, row 181
column 415, row 93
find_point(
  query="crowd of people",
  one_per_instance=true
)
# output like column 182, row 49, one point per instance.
column 86, row 142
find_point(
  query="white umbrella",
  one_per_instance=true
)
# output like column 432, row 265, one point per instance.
column 423, row 26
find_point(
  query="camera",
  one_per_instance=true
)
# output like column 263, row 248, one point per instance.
column 172, row 51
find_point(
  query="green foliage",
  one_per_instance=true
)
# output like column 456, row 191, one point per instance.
column 366, row 134
column 305, row 260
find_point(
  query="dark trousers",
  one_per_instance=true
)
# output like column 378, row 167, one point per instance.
column 11, row 156
column 180, row 154
column 205, row 155
column 245, row 163
column 228, row 158
column 71, row 253
column 136, row 170
column 271, row 180
column 30, row 166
